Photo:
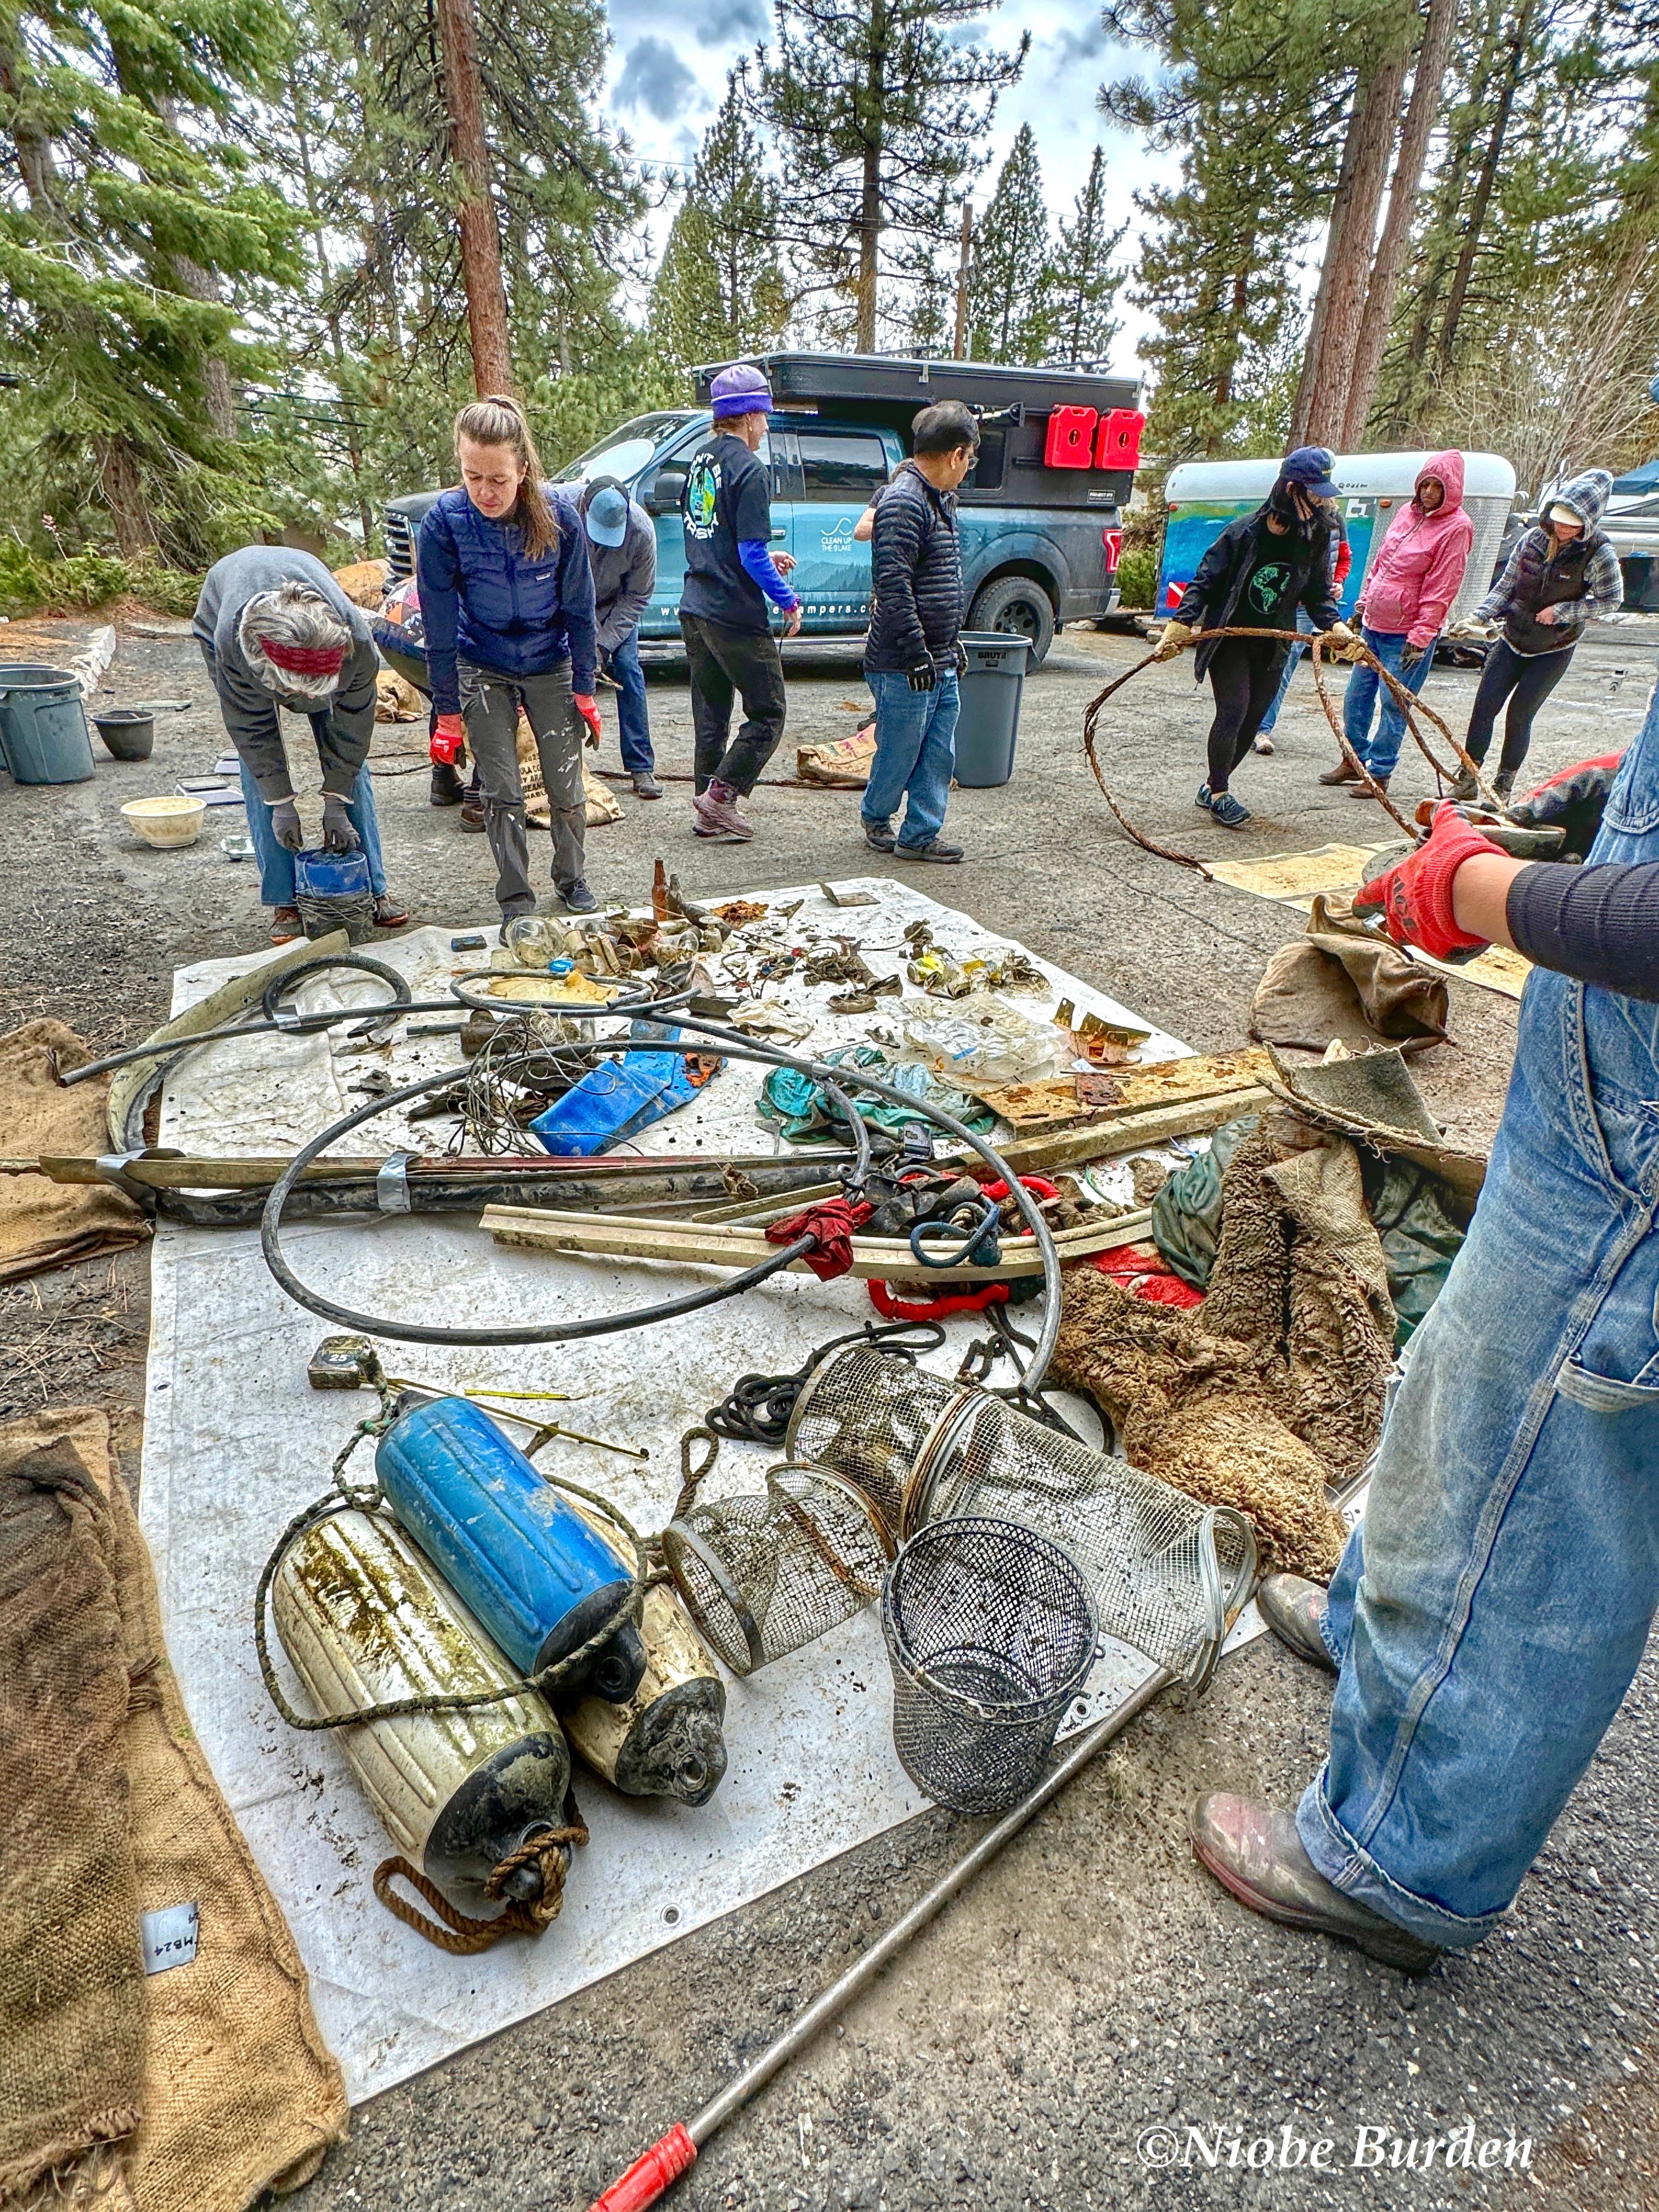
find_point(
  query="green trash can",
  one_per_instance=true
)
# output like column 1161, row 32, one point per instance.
column 989, row 721
column 43, row 724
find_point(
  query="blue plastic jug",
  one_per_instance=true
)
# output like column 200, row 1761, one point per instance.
column 538, row 1579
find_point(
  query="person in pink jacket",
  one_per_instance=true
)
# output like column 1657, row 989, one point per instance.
column 1406, row 597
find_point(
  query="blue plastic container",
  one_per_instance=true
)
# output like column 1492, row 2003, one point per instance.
column 332, row 875
column 537, row 1578
column 43, row 724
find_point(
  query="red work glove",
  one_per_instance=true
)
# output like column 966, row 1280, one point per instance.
column 448, row 736
column 1415, row 895
column 589, row 712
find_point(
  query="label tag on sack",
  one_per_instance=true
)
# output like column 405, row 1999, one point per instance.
column 167, row 1938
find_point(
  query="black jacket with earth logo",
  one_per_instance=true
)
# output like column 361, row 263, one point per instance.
column 916, row 575
column 1211, row 601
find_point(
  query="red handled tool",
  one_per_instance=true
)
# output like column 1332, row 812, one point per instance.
column 650, row 2178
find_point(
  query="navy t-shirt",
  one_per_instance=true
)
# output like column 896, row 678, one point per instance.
column 727, row 498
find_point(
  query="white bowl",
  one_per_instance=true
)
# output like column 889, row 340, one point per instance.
column 171, row 819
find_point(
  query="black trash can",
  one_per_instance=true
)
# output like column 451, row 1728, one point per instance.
column 989, row 721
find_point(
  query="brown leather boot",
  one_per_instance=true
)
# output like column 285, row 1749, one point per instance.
column 1255, row 1854
column 1344, row 772
column 1291, row 1606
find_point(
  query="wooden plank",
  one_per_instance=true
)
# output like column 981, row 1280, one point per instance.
column 693, row 1244
column 1127, row 1132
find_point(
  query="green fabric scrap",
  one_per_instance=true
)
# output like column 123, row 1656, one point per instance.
column 802, row 1110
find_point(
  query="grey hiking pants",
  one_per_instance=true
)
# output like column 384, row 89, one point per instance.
column 490, row 703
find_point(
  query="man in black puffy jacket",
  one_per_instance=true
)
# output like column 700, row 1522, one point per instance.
column 911, row 658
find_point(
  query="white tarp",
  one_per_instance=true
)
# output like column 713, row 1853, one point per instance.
column 236, row 1443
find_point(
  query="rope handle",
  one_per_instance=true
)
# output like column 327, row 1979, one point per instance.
column 691, row 1477
column 458, row 1932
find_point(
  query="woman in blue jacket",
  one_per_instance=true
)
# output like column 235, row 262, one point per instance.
column 506, row 598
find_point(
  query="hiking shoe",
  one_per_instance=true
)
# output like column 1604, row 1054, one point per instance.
column 1255, row 1854
column 878, row 837
column 1368, row 790
column 447, row 789
column 577, row 898
column 1203, row 799
column 1293, row 1607
column 1463, row 790
column 388, row 914
column 1261, row 745
column 1227, row 810
column 716, row 810
column 646, row 786
column 286, row 925
column 1344, row 772
column 471, row 815
column 1503, row 783
column 936, row 848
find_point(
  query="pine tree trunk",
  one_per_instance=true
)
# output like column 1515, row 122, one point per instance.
column 1421, row 113
column 481, row 242
column 122, row 486
column 870, row 200
column 1484, row 184
column 1323, row 390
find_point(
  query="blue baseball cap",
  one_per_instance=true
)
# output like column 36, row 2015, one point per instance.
column 1309, row 467
column 740, row 390
column 606, row 517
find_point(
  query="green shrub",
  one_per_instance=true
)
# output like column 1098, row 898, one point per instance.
column 1137, row 575
column 31, row 584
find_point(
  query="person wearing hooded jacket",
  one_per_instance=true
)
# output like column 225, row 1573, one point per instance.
column 621, row 552
column 1563, row 574
column 1254, row 576
column 1417, row 573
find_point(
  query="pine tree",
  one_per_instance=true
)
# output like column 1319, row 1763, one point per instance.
column 875, row 106
column 1082, row 284
column 721, row 289
column 1009, row 308
column 134, row 237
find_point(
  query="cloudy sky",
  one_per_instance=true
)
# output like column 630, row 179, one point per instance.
column 664, row 85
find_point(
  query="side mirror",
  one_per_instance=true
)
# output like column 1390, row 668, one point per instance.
column 662, row 495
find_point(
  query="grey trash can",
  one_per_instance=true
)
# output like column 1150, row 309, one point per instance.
column 989, row 721
column 43, row 724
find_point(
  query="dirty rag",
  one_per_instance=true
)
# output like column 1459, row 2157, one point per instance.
column 1341, row 980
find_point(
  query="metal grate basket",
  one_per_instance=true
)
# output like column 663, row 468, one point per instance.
column 868, row 1415
column 766, row 1572
column 991, row 1630
column 1168, row 1572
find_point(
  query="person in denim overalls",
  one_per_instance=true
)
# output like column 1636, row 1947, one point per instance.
column 1490, row 1614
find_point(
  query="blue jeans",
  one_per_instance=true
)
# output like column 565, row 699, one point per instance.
column 1361, row 701
column 916, row 753
column 276, row 862
column 633, row 721
column 1490, row 1614
column 1304, row 623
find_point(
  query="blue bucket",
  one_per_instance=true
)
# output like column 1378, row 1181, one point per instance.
column 43, row 724
column 319, row 874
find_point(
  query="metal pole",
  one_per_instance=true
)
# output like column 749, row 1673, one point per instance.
column 650, row 2176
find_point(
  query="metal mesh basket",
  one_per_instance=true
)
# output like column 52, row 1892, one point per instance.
column 1167, row 1572
column 764, row 1574
column 991, row 1630
column 867, row 1415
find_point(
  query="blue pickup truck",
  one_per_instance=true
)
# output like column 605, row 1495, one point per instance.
column 1041, row 528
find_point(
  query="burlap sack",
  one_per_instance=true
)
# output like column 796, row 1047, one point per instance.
column 238, row 2092
column 48, row 1225
column 396, row 699
column 602, row 804
column 1343, row 981
column 842, row 764
column 71, row 2030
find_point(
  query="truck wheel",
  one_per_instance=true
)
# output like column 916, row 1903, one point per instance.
column 1018, row 603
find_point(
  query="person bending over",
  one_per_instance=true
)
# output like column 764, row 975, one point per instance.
column 1254, row 576
column 507, row 597
column 277, row 632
